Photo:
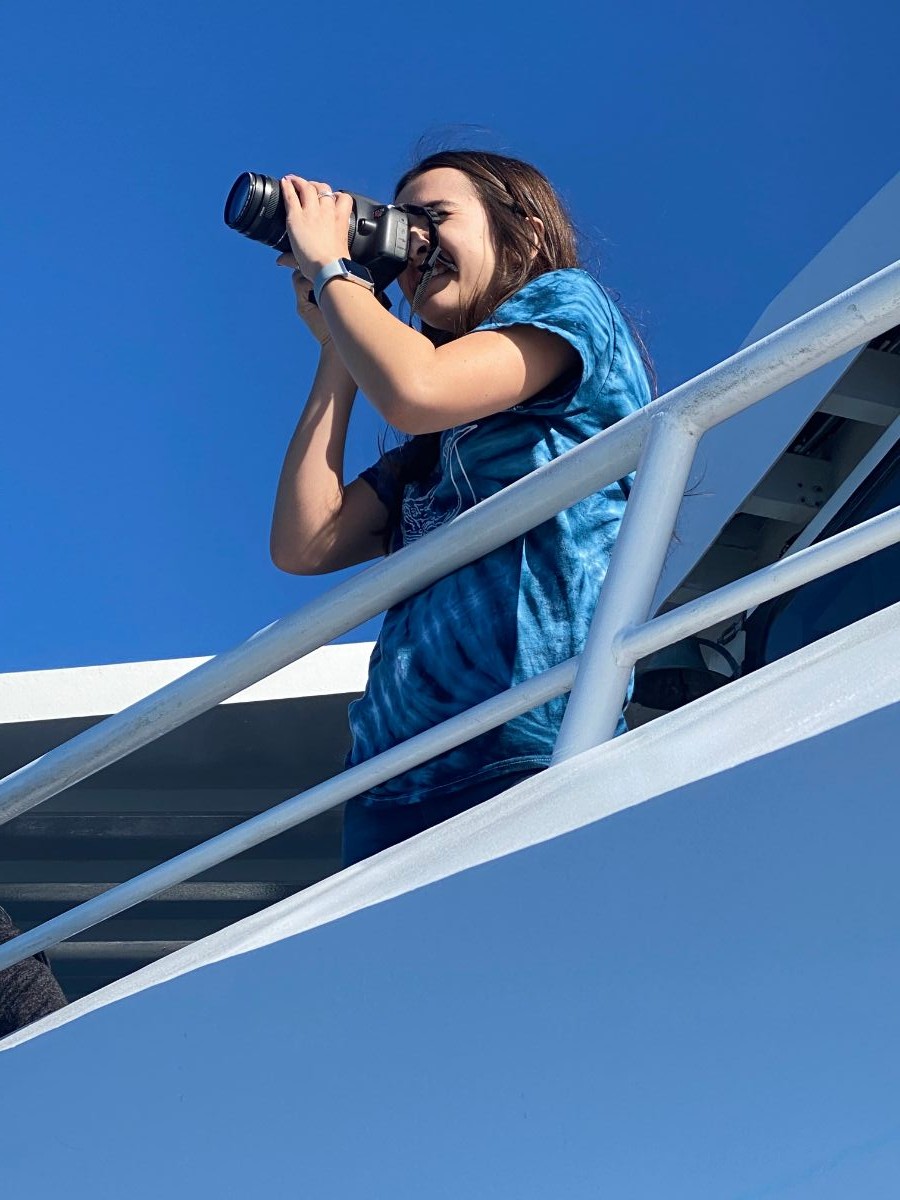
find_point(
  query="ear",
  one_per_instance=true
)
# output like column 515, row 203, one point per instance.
column 537, row 233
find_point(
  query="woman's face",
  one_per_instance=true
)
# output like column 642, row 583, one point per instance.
column 466, row 241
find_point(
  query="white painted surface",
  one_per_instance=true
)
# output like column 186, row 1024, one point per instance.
column 735, row 456
column 838, row 679
column 101, row 690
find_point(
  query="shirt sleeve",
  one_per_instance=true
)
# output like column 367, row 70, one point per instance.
column 573, row 305
column 385, row 476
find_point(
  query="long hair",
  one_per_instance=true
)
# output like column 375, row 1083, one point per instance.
column 511, row 191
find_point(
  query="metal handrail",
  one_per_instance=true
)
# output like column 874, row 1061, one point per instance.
column 664, row 432
column 812, row 563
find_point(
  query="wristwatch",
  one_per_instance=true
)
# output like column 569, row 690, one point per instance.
column 342, row 268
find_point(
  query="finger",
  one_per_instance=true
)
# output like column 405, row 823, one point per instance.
column 303, row 190
column 323, row 190
column 297, row 192
column 286, row 260
column 303, row 291
column 289, row 193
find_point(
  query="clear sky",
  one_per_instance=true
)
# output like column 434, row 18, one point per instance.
column 152, row 365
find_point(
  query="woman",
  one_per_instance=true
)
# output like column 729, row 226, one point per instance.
column 521, row 356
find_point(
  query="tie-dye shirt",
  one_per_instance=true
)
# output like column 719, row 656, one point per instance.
column 527, row 605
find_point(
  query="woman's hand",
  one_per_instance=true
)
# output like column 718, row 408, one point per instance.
column 318, row 222
column 306, row 310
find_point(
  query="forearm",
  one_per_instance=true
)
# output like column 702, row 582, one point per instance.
column 391, row 363
column 310, row 489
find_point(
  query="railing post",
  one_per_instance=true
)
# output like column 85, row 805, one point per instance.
column 627, row 593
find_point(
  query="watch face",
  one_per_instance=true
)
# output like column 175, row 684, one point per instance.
column 353, row 268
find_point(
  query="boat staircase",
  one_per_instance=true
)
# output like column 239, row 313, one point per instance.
column 226, row 766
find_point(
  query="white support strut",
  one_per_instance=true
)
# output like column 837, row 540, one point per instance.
column 627, row 592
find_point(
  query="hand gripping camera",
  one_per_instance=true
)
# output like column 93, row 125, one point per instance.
column 378, row 234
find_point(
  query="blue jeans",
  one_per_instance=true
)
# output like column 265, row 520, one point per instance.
column 369, row 828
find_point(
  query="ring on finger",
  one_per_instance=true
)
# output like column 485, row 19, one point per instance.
column 331, row 194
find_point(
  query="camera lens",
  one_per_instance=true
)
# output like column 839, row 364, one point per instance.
column 254, row 207
column 237, row 199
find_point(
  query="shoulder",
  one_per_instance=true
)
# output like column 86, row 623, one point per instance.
column 570, row 303
column 545, row 293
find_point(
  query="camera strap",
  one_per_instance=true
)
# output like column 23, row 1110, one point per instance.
column 430, row 261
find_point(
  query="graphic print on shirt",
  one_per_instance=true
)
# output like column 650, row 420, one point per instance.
column 420, row 513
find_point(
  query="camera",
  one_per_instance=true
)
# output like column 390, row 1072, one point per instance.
column 377, row 234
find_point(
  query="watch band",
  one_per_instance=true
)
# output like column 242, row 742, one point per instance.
column 342, row 268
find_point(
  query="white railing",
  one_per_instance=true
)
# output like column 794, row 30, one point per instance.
column 659, row 442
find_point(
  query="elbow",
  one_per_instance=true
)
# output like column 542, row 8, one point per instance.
column 288, row 564
column 289, row 559
column 415, row 423
column 410, row 413
column 408, row 397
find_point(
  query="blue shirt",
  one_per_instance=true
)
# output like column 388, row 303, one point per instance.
column 527, row 605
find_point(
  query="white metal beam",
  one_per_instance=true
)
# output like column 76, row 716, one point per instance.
column 794, row 490
column 869, row 392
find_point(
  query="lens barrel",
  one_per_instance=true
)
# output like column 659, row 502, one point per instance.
column 255, row 208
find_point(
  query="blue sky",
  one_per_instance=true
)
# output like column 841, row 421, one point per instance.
column 152, row 365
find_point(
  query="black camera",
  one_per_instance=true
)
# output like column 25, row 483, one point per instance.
column 378, row 234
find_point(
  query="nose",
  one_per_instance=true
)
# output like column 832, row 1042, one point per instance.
column 419, row 242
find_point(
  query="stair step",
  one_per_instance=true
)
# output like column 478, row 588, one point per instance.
column 13, row 895
column 156, row 835
column 295, row 871
column 165, row 924
column 126, row 826
column 99, row 952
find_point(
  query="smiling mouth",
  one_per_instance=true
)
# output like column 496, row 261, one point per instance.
column 443, row 266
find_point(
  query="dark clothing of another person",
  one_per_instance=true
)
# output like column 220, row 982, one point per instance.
column 28, row 990
column 370, row 829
